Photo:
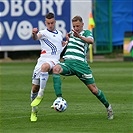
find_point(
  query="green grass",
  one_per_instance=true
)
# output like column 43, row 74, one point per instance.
column 85, row 114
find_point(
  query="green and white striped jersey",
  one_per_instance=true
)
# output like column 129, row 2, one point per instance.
column 77, row 48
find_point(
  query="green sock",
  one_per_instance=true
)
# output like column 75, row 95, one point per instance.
column 102, row 98
column 57, row 85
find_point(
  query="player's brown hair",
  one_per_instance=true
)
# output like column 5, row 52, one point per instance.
column 49, row 15
column 77, row 18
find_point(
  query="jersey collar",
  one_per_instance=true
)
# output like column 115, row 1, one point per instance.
column 55, row 31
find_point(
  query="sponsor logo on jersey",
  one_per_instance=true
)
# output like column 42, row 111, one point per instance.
column 87, row 76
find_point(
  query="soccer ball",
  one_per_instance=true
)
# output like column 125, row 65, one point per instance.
column 60, row 104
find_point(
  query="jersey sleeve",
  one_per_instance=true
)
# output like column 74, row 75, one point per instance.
column 61, row 34
column 42, row 33
column 88, row 34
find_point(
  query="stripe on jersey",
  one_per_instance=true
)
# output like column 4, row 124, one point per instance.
column 51, row 45
column 74, row 57
column 74, row 51
column 75, row 47
column 77, row 41
column 74, row 54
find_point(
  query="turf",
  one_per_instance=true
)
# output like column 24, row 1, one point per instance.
column 85, row 114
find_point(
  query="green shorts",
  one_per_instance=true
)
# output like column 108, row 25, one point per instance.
column 80, row 69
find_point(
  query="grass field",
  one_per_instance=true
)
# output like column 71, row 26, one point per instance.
column 85, row 114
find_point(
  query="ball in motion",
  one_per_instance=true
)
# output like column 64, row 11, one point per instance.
column 60, row 104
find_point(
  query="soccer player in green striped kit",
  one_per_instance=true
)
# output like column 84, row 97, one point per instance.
column 75, row 62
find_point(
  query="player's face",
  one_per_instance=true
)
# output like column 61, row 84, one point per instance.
column 50, row 24
column 78, row 26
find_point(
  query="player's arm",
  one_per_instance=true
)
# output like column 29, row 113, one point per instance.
column 68, row 36
column 88, row 40
column 36, row 36
column 64, row 43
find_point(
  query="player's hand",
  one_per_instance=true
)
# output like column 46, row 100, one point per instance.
column 34, row 34
column 76, row 34
column 34, row 30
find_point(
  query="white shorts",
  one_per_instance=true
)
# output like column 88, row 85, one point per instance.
column 37, row 69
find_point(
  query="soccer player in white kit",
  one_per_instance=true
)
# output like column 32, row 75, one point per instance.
column 52, row 44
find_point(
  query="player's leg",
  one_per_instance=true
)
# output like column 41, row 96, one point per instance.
column 100, row 95
column 57, row 85
column 90, row 83
column 62, row 69
column 85, row 75
column 34, row 93
column 43, row 80
column 58, row 69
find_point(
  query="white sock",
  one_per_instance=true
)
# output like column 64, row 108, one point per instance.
column 43, row 80
column 109, row 107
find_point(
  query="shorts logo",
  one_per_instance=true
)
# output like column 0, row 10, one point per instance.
column 34, row 76
column 87, row 76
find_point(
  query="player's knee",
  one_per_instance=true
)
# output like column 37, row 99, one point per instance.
column 57, row 69
column 45, row 67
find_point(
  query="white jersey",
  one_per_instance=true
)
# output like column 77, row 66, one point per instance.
column 51, row 44
column 51, row 48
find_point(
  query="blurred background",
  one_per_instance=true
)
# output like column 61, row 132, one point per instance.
column 111, row 23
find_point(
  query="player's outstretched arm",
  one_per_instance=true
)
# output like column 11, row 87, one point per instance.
column 36, row 36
